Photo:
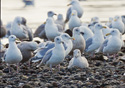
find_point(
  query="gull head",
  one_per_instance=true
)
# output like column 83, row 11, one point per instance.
column 116, row 18
column 66, row 37
column 73, row 2
column 76, row 30
column 51, row 14
column 12, row 38
column 95, row 19
column 99, row 26
column 58, row 40
column 114, row 32
column 18, row 20
column 76, row 53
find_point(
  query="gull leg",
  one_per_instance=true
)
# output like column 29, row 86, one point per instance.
column 17, row 67
column 59, row 67
column 50, row 67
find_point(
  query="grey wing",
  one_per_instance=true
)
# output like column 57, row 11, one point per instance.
column 42, row 34
column 88, row 43
column 30, row 34
column 103, row 45
column 47, row 56
column 39, row 29
column 68, row 14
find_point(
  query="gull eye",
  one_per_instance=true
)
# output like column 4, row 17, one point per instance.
column 12, row 37
column 65, row 35
column 76, row 29
column 57, row 39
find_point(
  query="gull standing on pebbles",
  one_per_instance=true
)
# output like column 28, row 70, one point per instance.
column 51, row 29
column 86, row 32
column 74, row 20
column 113, row 44
column 54, row 56
column 118, row 24
column 94, row 42
column 12, row 54
column 78, row 60
column 75, row 5
column 79, row 42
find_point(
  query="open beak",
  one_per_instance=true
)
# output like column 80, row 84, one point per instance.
column 108, row 34
column 68, row 4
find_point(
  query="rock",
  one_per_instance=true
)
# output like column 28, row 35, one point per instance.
column 27, row 86
column 21, row 84
column 6, row 70
column 48, row 85
column 58, row 77
column 1, row 72
column 24, row 77
column 55, row 84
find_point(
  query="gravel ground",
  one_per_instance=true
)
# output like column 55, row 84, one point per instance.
column 100, row 74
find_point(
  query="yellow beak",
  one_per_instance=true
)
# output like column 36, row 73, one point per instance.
column 104, row 26
column 115, row 20
column 72, row 14
column 17, row 39
column 73, row 38
column 68, row 4
column 108, row 34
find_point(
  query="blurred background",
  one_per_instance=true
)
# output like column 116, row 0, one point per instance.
column 37, row 13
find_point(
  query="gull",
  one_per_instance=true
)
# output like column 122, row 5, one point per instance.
column 75, row 5
column 13, row 54
column 78, row 60
column 74, row 21
column 54, row 56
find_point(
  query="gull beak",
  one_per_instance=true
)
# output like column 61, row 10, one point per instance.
column 72, row 38
column 68, row 4
column 17, row 39
column 19, row 24
column 108, row 34
column 55, row 14
column 44, row 23
column 104, row 26
column 115, row 20
column 72, row 14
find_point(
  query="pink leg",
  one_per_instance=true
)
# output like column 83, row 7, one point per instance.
column 17, row 67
